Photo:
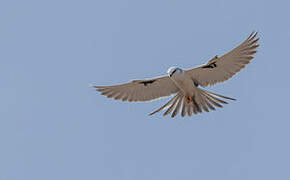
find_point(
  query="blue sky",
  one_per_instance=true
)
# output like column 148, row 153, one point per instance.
column 54, row 126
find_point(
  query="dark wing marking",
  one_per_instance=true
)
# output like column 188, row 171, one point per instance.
column 220, row 69
column 140, row 90
column 211, row 65
column 195, row 82
column 147, row 82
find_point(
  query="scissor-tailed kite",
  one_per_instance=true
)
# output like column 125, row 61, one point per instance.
column 189, row 98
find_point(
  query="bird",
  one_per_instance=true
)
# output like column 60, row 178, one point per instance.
column 184, row 85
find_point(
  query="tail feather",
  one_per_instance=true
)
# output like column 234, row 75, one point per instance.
column 217, row 99
column 164, row 106
column 218, row 95
column 189, row 109
column 196, row 107
column 177, row 107
column 184, row 107
column 201, row 101
column 170, row 109
column 209, row 105
column 212, row 101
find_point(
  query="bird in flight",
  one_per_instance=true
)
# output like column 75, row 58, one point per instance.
column 184, row 84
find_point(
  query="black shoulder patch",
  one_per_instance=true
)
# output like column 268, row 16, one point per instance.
column 211, row 65
column 195, row 83
column 147, row 82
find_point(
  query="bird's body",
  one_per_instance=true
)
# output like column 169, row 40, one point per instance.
column 189, row 98
column 184, row 83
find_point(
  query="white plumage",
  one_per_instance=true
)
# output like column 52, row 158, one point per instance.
column 189, row 97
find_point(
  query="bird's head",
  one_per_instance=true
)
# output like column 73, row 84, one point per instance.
column 174, row 70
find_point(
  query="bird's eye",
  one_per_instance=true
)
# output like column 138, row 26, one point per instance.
column 173, row 72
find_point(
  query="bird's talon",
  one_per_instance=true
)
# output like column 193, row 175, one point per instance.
column 188, row 100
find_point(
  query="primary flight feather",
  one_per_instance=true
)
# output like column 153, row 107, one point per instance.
column 189, row 97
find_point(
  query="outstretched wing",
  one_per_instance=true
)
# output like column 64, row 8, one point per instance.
column 220, row 69
column 140, row 90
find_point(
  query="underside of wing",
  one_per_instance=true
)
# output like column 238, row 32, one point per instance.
column 140, row 90
column 220, row 69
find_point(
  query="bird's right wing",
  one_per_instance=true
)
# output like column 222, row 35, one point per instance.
column 140, row 90
column 220, row 69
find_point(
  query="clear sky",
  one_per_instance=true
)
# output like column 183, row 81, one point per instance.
column 54, row 126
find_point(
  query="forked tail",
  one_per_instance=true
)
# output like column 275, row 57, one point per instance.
column 202, row 100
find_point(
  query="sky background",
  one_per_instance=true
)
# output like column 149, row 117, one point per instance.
column 54, row 126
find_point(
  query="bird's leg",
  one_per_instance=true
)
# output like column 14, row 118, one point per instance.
column 188, row 99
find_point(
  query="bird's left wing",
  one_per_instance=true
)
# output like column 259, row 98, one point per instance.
column 140, row 90
column 220, row 69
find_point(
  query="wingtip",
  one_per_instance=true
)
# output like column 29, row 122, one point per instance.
column 253, row 35
column 152, row 113
column 233, row 99
column 97, row 87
